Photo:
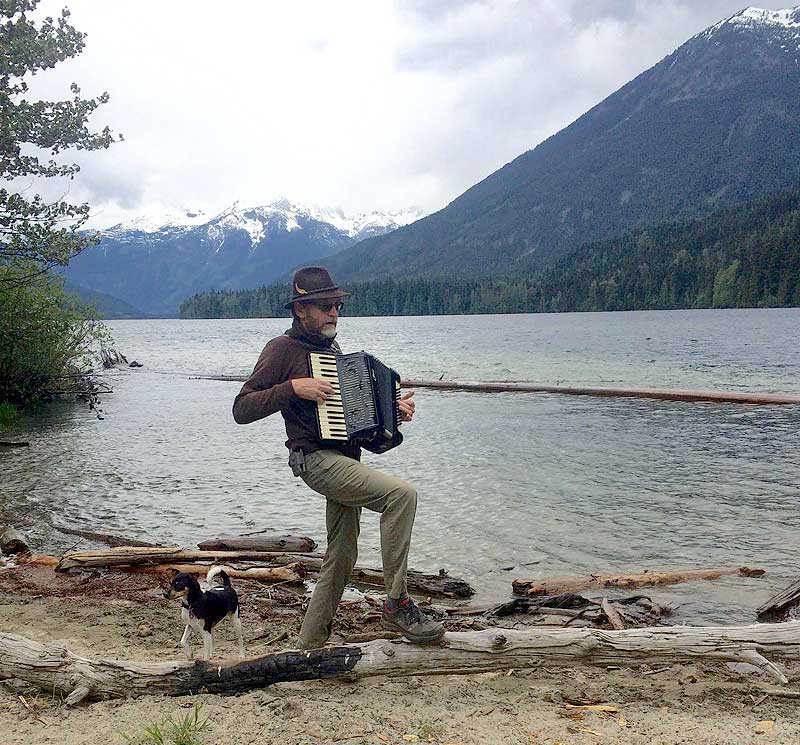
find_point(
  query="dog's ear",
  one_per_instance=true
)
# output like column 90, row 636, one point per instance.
column 171, row 572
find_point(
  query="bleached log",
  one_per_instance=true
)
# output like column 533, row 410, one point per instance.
column 559, row 585
column 134, row 556
column 290, row 574
column 53, row 667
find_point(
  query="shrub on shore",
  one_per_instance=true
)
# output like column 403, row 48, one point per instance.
column 48, row 339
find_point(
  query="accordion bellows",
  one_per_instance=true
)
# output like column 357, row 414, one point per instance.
column 363, row 410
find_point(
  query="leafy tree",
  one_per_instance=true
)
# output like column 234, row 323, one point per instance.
column 33, row 134
column 45, row 338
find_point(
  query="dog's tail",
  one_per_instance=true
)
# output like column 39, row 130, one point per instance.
column 217, row 577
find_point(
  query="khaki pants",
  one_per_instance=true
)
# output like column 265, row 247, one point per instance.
column 348, row 486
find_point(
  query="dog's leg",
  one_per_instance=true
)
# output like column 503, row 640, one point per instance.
column 208, row 645
column 187, row 648
column 187, row 632
column 237, row 626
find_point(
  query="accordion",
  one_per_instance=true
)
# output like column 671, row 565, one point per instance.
column 363, row 410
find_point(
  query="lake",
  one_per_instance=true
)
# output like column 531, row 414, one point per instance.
column 510, row 484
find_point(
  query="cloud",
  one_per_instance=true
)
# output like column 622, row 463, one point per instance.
column 360, row 104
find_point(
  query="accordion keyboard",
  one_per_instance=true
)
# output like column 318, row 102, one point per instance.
column 331, row 413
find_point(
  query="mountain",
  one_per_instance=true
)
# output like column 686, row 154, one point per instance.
column 154, row 262
column 743, row 256
column 715, row 123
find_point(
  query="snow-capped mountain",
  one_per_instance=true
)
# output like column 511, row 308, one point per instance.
column 155, row 261
column 256, row 220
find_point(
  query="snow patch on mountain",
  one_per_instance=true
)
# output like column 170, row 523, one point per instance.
column 760, row 18
column 176, row 218
column 282, row 214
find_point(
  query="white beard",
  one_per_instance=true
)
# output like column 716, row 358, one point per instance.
column 329, row 332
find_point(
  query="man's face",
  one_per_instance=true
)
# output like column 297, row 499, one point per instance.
column 319, row 317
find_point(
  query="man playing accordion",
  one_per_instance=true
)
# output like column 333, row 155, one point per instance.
column 280, row 382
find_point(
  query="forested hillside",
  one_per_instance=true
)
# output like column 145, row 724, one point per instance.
column 744, row 256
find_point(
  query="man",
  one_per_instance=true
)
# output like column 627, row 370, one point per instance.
column 280, row 382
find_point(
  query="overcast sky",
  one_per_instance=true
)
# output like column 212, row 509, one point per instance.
column 364, row 105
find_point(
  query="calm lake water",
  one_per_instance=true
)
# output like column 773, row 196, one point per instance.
column 511, row 485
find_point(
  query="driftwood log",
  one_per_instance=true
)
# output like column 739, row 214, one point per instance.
column 12, row 541
column 441, row 584
column 612, row 615
column 55, row 668
column 292, row 574
column 111, row 358
column 267, row 542
column 781, row 607
column 637, row 610
column 665, row 394
column 125, row 556
column 559, row 585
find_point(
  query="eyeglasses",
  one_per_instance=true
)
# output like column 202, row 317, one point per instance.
column 327, row 307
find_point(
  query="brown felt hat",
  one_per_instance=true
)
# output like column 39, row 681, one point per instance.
column 313, row 283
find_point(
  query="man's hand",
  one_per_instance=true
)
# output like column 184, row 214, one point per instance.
column 312, row 389
column 406, row 406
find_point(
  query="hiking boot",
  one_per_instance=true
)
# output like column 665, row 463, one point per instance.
column 405, row 617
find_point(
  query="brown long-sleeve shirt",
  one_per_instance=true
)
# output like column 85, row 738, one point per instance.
column 269, row 390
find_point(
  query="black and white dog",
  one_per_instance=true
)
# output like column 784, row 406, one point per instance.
column 204, row 609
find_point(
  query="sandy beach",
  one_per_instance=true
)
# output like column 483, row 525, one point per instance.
column 125, row 616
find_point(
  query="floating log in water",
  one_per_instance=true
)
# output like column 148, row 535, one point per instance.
column 267, row 542
column 781, row 607
column 12, row 541
column 560, row 585
column 52, row 667
column 665, row 394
